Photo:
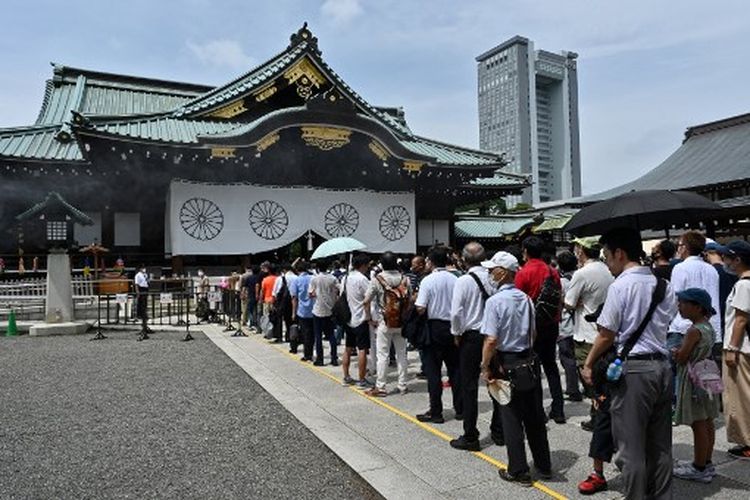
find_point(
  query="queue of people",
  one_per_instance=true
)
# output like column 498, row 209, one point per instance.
column 647, row 345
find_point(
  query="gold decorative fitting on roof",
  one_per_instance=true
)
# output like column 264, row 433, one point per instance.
column 306, row 76
column 413, row 166
column 230, row 110
column 379, row 150
column 223, row 152
column 326, row 138
column 266, row 142
column 265, row 93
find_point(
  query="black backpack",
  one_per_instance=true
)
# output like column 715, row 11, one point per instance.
column 547, row 303
column 341, row 312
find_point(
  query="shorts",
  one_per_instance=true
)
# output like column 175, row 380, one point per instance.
column 358, row 336
column 602, row 445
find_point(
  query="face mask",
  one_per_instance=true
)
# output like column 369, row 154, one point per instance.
column 728, row 270
column 200, row 274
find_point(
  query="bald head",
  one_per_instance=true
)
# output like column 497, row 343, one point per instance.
column 417, row 264
column 473, row 254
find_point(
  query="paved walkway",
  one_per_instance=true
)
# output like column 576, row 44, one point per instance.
column 404, row 458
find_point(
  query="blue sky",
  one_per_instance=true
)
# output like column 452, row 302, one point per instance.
column 647, row 69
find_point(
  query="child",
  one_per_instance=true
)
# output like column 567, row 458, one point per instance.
column 695, row 407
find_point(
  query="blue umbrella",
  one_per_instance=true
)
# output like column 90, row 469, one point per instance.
column 337, row 246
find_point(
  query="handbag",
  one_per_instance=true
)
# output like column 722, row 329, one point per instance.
column 524, row 374
column 599, row 371
column 294, row 336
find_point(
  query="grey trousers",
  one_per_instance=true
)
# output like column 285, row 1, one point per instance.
column 641, row 408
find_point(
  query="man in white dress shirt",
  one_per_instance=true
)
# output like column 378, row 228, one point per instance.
column 141, row 300
column 434, row 299
column 640, row 404
column 694, row 272
column 467, row 310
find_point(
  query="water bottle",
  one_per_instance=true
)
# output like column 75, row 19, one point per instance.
column 614, row 370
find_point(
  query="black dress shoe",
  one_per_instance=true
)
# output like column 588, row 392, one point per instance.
column 498, row 440
column 429, row 417
column 465, row 444
column 544, row 474
column 318, row 362
column 422, row 376
column 523, row 479
column 588, row 425
column 459, row 416
column 335, row 362
column 558, row 419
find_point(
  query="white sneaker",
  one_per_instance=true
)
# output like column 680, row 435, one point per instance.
column 690, row 473
column 688, row 464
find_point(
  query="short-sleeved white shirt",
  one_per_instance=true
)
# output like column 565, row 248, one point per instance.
column 739, row 298
column 436, row 294
column 356, row 288
column 694, row 272
column 326, row 290
column 467, row 305
column 586, row 292
column 628, row 300
column 507, row 316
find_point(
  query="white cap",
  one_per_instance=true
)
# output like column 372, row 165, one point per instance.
column 502, row 259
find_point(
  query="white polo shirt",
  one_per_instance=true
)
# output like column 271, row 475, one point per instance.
column 507, row 316
column 694, row 272
column 467, row 305
column 627, row 303
column 586, row 292
column 436, row 294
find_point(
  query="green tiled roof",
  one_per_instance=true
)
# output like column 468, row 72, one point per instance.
column 499, row 179
column 244, row 84
column 553, row 223
column 452, row 155
column 97, row 93
column 37, row 143
column 167, row 129
column 490, row 227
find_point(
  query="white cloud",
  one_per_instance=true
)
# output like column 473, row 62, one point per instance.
column 341, row 11
column 221, row 52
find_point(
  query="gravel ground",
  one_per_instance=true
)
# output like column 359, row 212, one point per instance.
column 155, row 419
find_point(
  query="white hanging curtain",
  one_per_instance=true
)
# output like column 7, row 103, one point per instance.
column 231, row 219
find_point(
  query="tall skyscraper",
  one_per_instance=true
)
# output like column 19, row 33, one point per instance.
column 528, row 109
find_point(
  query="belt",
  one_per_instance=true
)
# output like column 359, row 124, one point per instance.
column 650, row 356
column 525, row 352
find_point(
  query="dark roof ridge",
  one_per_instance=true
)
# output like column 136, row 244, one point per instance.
column 713, row 126
column 518, row 39
column 60, row 72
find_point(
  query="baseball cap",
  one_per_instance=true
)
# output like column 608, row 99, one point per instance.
column 712, row 246
column 502, row 259
column 589, row 242
column 737, row 248
column 699, row 296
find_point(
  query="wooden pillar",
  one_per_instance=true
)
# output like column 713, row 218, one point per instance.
column 178, row 265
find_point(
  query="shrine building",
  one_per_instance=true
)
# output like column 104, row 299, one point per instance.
column 185, row 173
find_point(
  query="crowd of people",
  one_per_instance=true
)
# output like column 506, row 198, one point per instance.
column 652, row 342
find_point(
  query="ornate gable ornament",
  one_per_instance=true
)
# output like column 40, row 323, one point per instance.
column 304, row 35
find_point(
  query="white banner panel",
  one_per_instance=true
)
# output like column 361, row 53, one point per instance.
column 230, row 219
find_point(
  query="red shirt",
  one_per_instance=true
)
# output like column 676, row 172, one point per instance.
column 530, row 277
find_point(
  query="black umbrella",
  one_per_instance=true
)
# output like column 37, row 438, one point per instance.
column 647, row 209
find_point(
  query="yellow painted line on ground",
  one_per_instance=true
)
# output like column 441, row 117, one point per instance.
column 445, row 437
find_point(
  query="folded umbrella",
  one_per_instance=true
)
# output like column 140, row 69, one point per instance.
column 647, row 209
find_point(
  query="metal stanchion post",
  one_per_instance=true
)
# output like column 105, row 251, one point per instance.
column 188, row 337
column 99, row 335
